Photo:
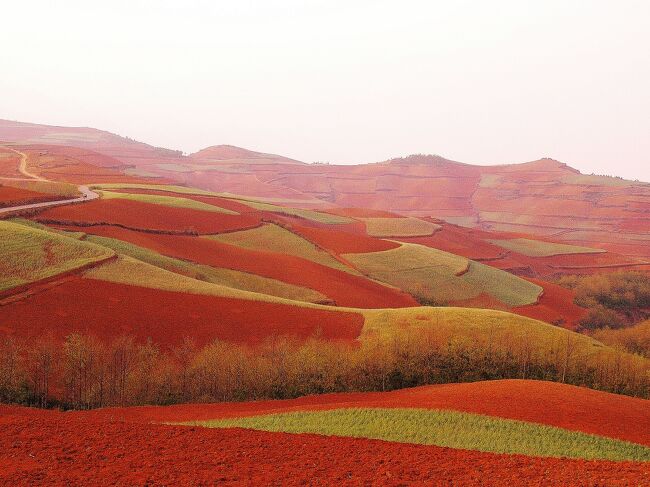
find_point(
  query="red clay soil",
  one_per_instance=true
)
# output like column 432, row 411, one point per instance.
column 555, row 306
column 551, row 403
column 10, row 196
column 344, row 288
column 107, row 310
column 343, row 242
column 146, row 216
column 56, row 448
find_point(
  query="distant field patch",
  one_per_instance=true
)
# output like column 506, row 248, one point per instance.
column 173, row 201
column 441, row 277
column 450, row 429
column 399, row 227
column 537, row 248
column 312, row 215
column 277, row 239
column 206, row 274
column 30, row 254
column 157, row 187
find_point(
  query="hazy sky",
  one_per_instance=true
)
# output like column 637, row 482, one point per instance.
column 343, row 81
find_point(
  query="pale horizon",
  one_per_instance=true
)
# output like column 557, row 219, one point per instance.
column 507, row 82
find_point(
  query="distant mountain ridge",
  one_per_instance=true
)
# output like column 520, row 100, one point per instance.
column 543, row 197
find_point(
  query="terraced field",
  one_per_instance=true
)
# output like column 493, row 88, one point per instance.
column 399, row 227
column 30, row 254
column 201, row 273
column 442, row 277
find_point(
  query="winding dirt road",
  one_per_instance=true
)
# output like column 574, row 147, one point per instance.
column 86, row 193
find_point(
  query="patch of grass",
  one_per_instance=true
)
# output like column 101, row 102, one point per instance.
column 173, row 201
column 207, row 274
column 277, row 239
column 438, row 276
column 450, row 429
column 507, row 288
column 312, row 215
column 39, row 226
column 30, row 254
column 537, row 248
column 399, row 227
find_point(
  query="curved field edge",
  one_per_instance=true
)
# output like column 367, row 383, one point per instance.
column 204, row 273
column 450, row 429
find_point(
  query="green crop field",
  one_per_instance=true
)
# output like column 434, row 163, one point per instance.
column 450, row 429
column 537, row 248
column 277, row 239
column 316, row 216
column 174, row 201
column 443, row 277
column 30, row 254
column 207, row 274
column 399, row 227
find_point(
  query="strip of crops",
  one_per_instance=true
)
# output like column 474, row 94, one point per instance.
column 444, row 428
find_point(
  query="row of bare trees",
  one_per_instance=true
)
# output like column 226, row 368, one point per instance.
column 83, row 372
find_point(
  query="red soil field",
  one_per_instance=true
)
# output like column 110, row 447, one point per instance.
column 344, row 288
column 147, row 216
column 565, row 406
column 343, row 242
column 107, row 310
column 51, row 447
column 10, row 196
column 555, row 306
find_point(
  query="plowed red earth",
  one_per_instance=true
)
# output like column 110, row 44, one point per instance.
column 55, row 448
column 555, row 306
column 344, row 288
column 10, row 196
column 107, row 310
column 146, row 216
column 343, row 242
column 561, row 405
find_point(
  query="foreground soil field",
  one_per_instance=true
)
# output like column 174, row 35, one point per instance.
column 550, row 403
column 115, row 447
